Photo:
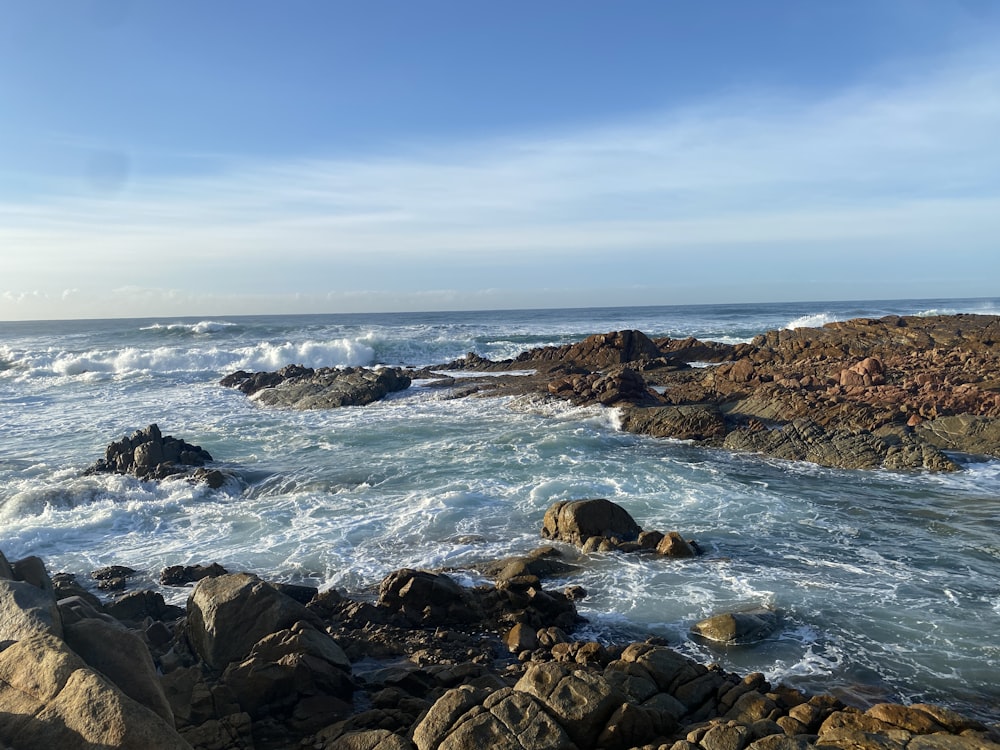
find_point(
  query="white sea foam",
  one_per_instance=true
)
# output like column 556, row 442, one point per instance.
column 202, row 326
column 813, row 320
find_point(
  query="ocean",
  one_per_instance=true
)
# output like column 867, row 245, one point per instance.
column 888, row 584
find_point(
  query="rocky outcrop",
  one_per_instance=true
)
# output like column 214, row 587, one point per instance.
column 599, row 525
column 148, row 454
column 430, row 664
column 622, row 385
column 297, row 387
column 892, row 393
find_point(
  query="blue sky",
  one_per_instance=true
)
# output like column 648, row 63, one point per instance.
column 256, row 157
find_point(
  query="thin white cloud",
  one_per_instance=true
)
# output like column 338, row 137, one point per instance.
column 905, row 165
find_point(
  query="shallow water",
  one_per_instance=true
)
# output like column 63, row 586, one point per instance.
column 888, row 583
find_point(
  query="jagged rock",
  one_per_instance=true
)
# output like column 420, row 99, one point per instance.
column 806, row 440
column 297, row 387
column 701, row 422
column 737, row 627
column 427, row 598
column 963, row 432
column 148, row 454
column 299, row 670
column 620, row 386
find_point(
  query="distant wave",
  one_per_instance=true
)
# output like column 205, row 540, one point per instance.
column 126, row 361
column 203, row 326
column 813, row 320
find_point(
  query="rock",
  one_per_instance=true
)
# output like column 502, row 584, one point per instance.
column 369, row 739
column 703, row 423
column 139, row 605
column 674, row 545
column 122, row 657
column 581, row 702
column 27, row 606
column 181, row 575
column 287, row 668
column 734, row 628
column 148, row 454
column 229, row 614
column 297, row 387
column 52, row 699
column 963, row 432
column 427, row 598
column 620, row 386
column 576, row 521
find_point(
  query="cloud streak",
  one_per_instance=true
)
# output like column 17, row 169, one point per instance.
column 906, row 165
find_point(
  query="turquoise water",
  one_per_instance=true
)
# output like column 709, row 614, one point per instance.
column 889, row 583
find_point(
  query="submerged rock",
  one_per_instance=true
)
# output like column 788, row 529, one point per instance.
column 737, row 628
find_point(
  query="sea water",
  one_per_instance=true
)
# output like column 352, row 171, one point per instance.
column 888, row 584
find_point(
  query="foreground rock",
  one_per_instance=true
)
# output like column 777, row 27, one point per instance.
column 896, row 393
column 148, row 454
column 297, row 387
column 429, row 664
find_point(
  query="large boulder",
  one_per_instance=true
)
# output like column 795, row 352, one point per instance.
column 576, row 521
column 27, row 600
column 507, row 719
column 229, row 614
column 299, row 667
column 121, row 656
column 52, row 699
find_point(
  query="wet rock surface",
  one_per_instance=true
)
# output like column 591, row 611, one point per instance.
column 298, row 387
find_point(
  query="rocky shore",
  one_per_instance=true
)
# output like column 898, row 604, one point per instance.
column 898, row 393
column 421, row 663
column 87, row 660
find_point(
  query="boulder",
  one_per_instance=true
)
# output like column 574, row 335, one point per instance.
column 424, row 598
column 52, row 699
column 579, row 700
column 504, row 720
column 286, row 668
column 26, row 610
column 229, row 614
column 576, row 521
column 737, row 628
column 121, row 656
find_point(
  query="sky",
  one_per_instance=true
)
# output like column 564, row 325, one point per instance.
column 249, row 157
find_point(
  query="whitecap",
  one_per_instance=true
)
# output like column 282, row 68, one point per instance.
column 813, row 320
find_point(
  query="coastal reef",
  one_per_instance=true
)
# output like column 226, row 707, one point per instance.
column 423, row 663
column 896, row 392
